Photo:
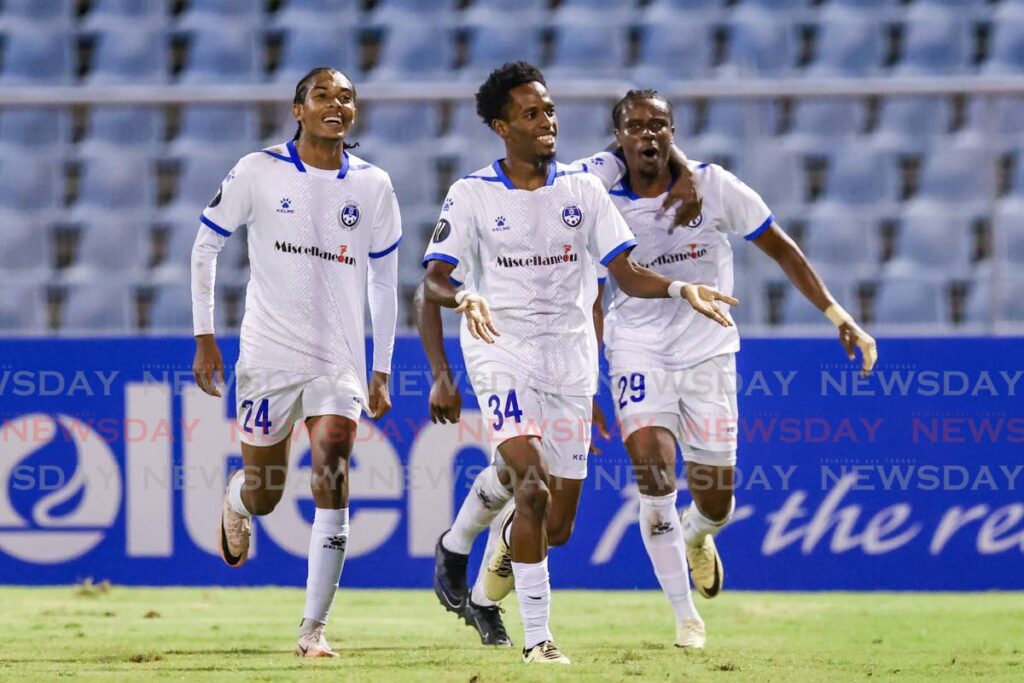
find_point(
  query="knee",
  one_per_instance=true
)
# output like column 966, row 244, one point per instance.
column 534, row 499
column 717, row 508
column 262, row 502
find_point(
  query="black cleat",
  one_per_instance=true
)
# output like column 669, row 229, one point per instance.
column 450, row 577
column 487, row 621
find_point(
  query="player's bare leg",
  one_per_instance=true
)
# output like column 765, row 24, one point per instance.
column 529, row 546
column 712, row 490
column 565, row 500
column 254, row 490
column 331, row 438
column 652, row 451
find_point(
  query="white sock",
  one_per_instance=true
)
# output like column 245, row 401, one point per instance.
column 235, row 496
column 533, row 588
column 663, row 538
column 478, row 595
column 327, row 546
column 486, row 499
column 696, row 526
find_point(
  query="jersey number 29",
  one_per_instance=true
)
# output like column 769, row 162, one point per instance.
column 637, row 387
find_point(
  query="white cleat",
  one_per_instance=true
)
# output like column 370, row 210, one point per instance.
column 690, row 634
column 706, row 570
column 499, row 579
column 544, row 653
column 234, row 530
column 312, row 642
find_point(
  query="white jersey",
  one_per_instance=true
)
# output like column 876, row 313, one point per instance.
column 311, row 233
column 533, row 256
column 667, row 333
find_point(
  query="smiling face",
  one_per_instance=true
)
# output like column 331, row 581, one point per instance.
column 329, row 108
column 529, row 126
column 645, row 132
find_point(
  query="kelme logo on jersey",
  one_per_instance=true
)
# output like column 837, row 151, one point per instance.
column 348, row 215
column 448, row 203
column 286, row 206
column 341, row 256
column 500, row 224
column 536, row 260
column 572, row 216
column 441, row 231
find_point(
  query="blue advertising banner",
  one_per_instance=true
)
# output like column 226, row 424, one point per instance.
column 113, row 463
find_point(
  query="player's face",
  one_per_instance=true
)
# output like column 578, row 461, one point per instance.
column 329, row 109
column 645, row 132
column 530, row 125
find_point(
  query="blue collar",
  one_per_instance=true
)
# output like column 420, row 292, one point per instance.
column 627, row 191
column 507, row 182
column 293, row 157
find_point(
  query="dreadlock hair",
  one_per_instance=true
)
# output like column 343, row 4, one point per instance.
column 302, row 89
column 634, row 95
column 493, row 95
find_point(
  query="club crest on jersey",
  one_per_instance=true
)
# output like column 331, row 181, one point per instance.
column 695, row 223
column 348, row 216
column 572, row 216
column 441, row 231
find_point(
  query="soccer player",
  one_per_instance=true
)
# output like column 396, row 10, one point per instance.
column 322, row 225
column 673, row 373
column 529, row 232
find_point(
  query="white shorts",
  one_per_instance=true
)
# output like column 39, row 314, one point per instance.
column 698, row 405
column 563, row 424
column 270, row 402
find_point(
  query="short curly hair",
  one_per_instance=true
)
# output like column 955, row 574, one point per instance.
column 493, row 95
column 633, row 96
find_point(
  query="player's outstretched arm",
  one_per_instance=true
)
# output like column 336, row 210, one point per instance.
column 207, row 365
column 438, row 288
column 382, row 293
column 776, row 243
column 445, row 398
column 635, row 280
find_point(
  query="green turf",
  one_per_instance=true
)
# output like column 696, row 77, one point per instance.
column 247, row 635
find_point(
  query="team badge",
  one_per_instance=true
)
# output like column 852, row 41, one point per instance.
column 348, row 216
column 572, row 216
column 695, row 223
column 441, row 231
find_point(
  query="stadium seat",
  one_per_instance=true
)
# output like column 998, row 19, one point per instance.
column 687, row 10
column 231, row 129
column 777, row 175
column 824, row 123
column 414, row 51
column 673, row 51
column 910, row 301
column 19, row 14
column 1012, row 299
column 27, row 256
column 1008, row 235
column 738, row 120
column 585, row 12
column 584, row 121
column 36, row 57
column 412, row 174
column 499, row 13
column 129, row 54
column 110, row 248
column 329, row 13
column 314, row 45
column 1006, row 49
column 200, row 14
column 44, row 131
column 218, row 54
column 105, row 14
column 22, row 309
column 107, row 307
column 123, row 130
column 963, row 177
column 933, row 239
column 29, row 184
column 170, row 311
column 980, row 306
column 847, row 44
column 798, row 311
column 467, row 134
column 588, row 50
column 759, row 44
column 911, row 125
column 934, row 43
column 388, row 123
column 860, row 176
column 114, row 182
column 843, row 241
column 498, row 39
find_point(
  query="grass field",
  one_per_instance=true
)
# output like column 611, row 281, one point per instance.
column 247, row 635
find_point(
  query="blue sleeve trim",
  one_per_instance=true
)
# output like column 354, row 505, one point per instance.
column 454, row 281
column 705, row 165
column 764, row 226
column 437, row 256
column 559, row 174
column 385, row 252
column 601, row 280
column 628, row 244
column 213, row 226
